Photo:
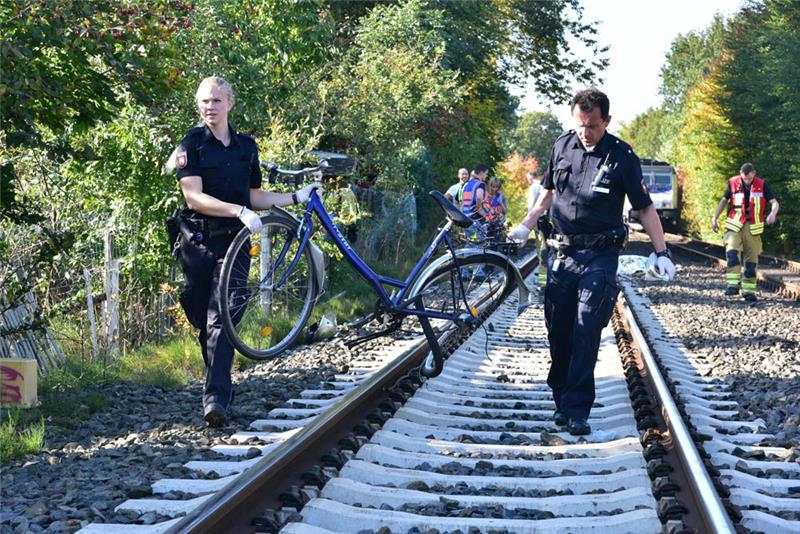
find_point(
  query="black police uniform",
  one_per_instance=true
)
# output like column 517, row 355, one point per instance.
column 581, row 287
column 228, row 174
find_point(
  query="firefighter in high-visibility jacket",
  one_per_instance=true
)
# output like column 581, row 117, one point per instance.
column 746, row 197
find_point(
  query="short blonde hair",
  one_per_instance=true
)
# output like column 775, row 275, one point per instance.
column 222, row 83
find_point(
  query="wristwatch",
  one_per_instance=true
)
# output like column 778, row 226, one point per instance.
column 664, row 254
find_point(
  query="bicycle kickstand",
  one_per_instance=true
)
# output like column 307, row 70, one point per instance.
column 434, row 361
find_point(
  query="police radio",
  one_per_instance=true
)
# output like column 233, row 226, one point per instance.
column 599, row 184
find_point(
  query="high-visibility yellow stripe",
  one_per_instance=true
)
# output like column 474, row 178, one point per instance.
column 733, row 224
column 757, row 229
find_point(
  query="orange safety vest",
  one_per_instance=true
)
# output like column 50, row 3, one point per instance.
column 469, row 197
column 754, row 215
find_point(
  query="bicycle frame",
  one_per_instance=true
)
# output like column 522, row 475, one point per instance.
column 395, row 303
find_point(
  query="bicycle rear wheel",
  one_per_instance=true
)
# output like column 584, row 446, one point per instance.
column 486, row 279
column 267, row 291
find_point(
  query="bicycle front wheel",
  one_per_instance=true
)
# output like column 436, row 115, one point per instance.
column 477, row 284
column 267, row 288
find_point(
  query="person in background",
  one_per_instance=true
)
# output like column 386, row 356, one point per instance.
column 746, row 196
column 453, row 194
column 220, row 176
column 589, row 174
column 497, row 205
column 534, row 188
column 473, row 197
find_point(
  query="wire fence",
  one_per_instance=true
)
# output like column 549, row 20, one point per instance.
column 89, row 308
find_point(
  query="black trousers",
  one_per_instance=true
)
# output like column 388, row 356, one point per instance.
column 200, row 298
column 578, row 303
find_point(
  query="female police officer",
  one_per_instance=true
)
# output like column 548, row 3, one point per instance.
column 590, row 173
column 220, row 177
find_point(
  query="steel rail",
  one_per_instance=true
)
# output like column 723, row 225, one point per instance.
column 785, row 285
column 711, row 507
column 246, row 493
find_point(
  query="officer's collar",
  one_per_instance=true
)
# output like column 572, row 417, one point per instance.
column 208, row 135
column 600, row 148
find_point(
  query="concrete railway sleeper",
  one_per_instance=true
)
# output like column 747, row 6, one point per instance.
column 475, row 449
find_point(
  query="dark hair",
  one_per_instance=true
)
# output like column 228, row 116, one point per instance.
column 589, row 99
column 480, row 167
column 747, row 168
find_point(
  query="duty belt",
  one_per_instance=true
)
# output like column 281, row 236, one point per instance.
column 615, row 237
column 210, row 228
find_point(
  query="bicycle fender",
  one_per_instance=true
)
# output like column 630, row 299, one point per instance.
column 523, row 292
column 316, row 252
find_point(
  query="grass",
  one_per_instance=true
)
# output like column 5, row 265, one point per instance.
column 72, row 394
column 17, row 440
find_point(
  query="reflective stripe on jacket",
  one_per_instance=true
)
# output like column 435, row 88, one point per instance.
column 754, row 214
column 469, row 198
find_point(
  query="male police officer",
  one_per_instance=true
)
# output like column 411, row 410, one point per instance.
column 589, row 174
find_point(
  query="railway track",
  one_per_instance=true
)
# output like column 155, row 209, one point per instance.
column 476, row 448
column 777, row 274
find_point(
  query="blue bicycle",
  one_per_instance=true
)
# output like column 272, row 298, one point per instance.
column 271, row 280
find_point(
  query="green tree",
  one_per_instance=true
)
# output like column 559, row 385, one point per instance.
column 646, row 132
column 761, row 99
column 390, row 83
column 534, row 135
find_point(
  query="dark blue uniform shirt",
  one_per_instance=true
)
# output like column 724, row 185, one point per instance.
column 228, row 172
column 576, row 207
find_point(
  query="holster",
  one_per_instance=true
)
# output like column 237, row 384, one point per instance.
column 172, row 223
column 545, row 226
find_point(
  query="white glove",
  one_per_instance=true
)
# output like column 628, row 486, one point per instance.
column 303, row 195
column 250, row 219
column 519, row 234
column 660, row 267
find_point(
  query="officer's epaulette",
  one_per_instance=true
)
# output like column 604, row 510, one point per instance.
column 247, row 136
column 622, row 145
column 568, row 132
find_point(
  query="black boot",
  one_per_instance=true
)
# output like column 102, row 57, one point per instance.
column 578, row 426
column 560, row 419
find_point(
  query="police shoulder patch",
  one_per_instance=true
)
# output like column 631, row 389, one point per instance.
column 180, row 158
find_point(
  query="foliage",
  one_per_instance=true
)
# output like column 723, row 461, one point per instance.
column 387, row 86
column 86, row 54
column 534, row 135
column 690, row 61
column 729, row 94
column 761, row 97
column 515, row 184
column 96, row 94
column 702, row 156
column 646, row 132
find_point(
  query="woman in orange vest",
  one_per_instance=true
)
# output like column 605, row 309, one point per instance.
column 746, row 197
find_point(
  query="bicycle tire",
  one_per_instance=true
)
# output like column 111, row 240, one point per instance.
column 260, row 320
column 498, row 271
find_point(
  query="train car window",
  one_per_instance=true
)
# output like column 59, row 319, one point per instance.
column 663, row 179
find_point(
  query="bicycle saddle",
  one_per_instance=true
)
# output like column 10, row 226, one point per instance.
column 452, row 212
